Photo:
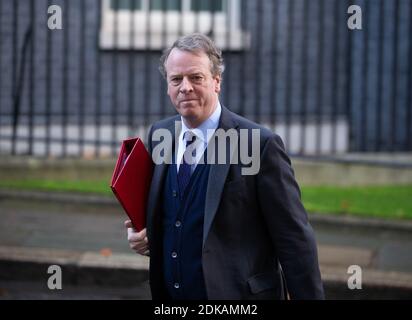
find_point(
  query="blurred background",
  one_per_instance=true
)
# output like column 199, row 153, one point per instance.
column 77, row 77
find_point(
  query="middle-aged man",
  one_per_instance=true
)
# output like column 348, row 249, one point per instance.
column 214, row 232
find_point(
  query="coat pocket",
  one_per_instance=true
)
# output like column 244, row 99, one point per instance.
column 268, row 285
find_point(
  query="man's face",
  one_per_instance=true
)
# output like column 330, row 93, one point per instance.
column 192, row 88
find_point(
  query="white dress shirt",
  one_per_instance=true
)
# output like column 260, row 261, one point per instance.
column 203, row 133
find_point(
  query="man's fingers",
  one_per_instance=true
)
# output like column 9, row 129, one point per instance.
column 137, row 240
column 128, row 224
column 142, row 242
column 132, row 235
column 136, row 245
column 139, row 247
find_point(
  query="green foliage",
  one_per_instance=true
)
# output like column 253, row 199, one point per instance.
column 80, row 186
column 371, row 201
column 392, row 202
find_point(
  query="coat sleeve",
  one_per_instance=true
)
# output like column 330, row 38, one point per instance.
column 292, row 236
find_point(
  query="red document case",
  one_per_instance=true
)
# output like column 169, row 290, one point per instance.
column 131, row 180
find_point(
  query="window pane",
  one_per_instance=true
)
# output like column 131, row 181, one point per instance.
column 126, row 4
column 166, row 5
column 207, row 5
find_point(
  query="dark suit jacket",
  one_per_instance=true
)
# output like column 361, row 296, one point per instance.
column 255, row 227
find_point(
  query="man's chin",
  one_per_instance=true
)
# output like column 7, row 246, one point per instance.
column 187, row 109
column 189, row 104
column 191, row 118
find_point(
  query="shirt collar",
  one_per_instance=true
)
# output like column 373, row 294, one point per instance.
column 210, row 123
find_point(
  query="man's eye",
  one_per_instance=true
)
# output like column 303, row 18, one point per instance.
column 197, row 78
column 175, row 80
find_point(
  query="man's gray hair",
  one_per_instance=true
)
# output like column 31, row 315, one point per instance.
column 196, row 43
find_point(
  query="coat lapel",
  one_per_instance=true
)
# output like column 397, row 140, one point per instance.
column 217, row 177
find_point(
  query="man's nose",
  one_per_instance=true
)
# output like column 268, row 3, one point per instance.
column 186, row 86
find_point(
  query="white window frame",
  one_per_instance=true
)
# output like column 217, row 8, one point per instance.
column 174, row 23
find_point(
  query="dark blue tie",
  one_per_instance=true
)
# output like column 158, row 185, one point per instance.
column 183, row 176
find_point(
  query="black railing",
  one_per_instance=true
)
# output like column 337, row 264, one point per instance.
column 292, row 65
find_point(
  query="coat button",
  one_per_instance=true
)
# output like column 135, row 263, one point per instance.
column 174, row 193
column 178, row 224
column 174, row 255
column 177, row 285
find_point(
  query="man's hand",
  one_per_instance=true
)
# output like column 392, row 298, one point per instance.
column 137, row 240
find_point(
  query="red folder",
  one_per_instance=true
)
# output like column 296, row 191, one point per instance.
column 131, row 180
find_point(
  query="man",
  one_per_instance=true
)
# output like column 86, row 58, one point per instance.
column 213, row 232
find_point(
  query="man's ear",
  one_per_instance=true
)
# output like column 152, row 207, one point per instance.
column 218, row 82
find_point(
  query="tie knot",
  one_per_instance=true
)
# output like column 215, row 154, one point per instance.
column 189, row 137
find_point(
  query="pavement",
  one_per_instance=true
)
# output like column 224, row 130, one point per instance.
column 85, row 236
